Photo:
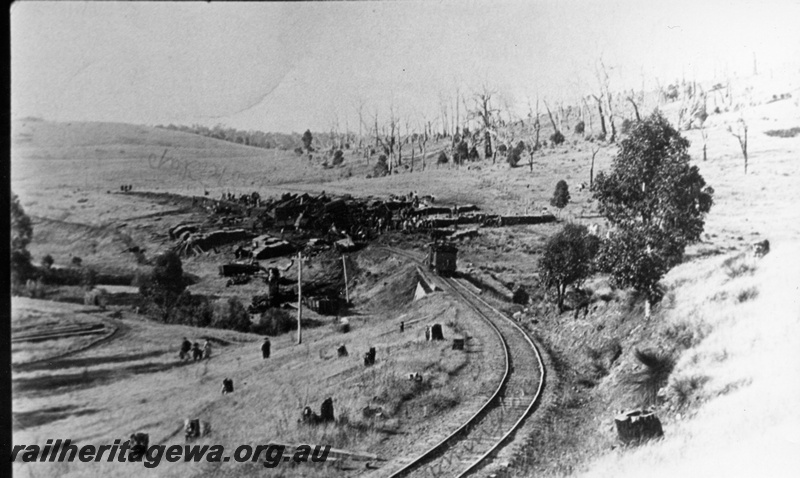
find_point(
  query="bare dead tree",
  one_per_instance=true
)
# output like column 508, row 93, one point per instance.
column 485, row 114
column 588, row 115
column 635, row 107
column 741, row 135
column 549, row 114
column 599, row 100
column 605, row 90
column 591, row 168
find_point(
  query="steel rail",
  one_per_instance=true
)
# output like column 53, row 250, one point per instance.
column 439, row 451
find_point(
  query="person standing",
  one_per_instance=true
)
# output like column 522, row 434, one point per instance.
column 265, row 348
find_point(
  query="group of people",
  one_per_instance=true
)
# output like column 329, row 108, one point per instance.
column 126, row 187
column 191, row 351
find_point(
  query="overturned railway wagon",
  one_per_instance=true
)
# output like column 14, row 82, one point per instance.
column 233, row 269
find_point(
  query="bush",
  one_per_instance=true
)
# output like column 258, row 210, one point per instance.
column 473, row 154
column 625, row 127
column 338, row 157
column 274, row 321
column 561, row 195
column 503, row 149
column 442, row 159
column 783, row 133
column 513, row 158
column 381, row 169
column 654, row 374
column 231, row 314
column 580, row 127
column 557, row 138
column 35, row 289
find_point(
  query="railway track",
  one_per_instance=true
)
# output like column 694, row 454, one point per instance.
column 474, row 443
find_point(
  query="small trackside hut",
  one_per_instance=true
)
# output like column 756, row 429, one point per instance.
column 442, row 258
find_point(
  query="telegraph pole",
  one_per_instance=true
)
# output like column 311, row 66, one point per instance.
column 346, row 289
column 299, row 297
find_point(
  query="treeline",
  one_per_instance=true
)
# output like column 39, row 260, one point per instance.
column 258, row 139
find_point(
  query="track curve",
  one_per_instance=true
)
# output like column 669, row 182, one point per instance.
column 473, row 444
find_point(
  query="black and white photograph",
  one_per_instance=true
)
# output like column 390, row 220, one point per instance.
column 384, row 239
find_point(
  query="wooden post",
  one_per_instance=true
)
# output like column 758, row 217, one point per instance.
column 346, row 289
column 299, row 297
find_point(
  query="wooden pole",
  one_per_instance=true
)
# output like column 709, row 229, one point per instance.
column 346, row 289
column 299, row 297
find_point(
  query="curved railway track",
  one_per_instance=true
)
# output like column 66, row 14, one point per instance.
column 473, row 444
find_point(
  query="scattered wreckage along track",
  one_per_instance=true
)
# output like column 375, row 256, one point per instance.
column 472, row 444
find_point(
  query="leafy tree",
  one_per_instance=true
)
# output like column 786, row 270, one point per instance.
column 567, row 259
column 21, row 235
column 657, row 202
column 561, row 195
column 77, row 261
column 307, row 139
column 165, row 284
column 47, row 261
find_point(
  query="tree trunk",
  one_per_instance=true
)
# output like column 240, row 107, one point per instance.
column 602, row 118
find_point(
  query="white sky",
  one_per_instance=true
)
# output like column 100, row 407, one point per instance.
column 292, row 66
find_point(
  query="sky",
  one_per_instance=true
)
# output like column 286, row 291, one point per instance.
column 292, row 66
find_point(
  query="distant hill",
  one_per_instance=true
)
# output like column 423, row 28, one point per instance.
column 35, row 133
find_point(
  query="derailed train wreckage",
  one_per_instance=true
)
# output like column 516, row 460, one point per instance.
column 257, row 229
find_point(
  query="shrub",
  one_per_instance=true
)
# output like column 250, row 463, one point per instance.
column 381, row 169
column 738, row 265
column 513, row 157
column 557, row 138
column 783, row 133
column 684, row 334
column 473, row 154
column 35, row 289
column 307, row 139
column 580, row 127
column 654, row 373
column 442, row 158
column 561, row 195
column 682, row 390
column 747, row 294
column 231, row 314
column 338, row 157
column 274, row 321
column 503, row 149
column 461, row 153
column 625, row 127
